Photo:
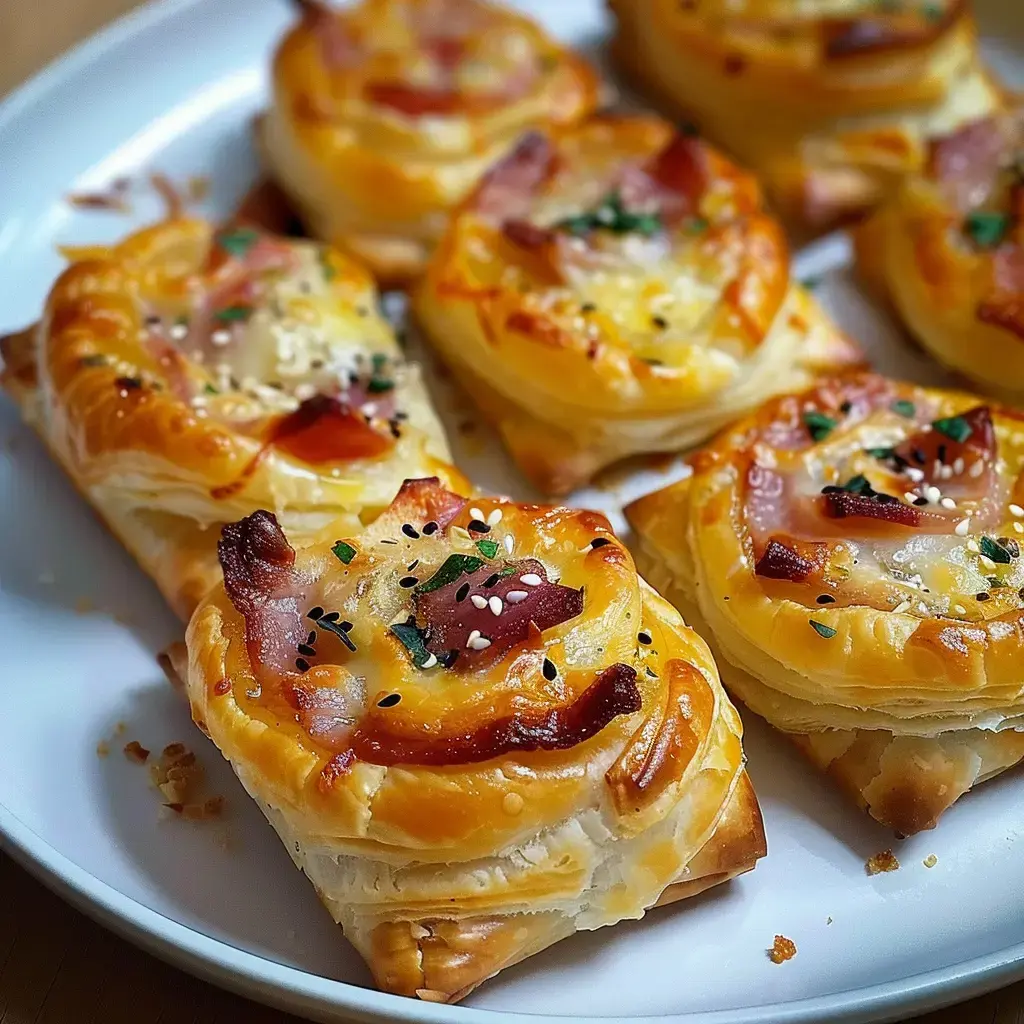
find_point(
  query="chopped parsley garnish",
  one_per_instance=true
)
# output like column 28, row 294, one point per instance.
column 818, row 424
column 858, row 485
column 378, row 384
column 507, row 571
column 232, row 313
column 412, row 639
column 697, row 225
column 94, row 360
column 209, row 389
column 611, row 215
column 880, row 453
column 993, row 549
column 379, row 380
column 451, row 569
column 903, row 407
column 954, row 427
column 488, row 548
column 239, row 241
column 822, row 630
column 987, row 228
column 323, row 257
column 344, row 552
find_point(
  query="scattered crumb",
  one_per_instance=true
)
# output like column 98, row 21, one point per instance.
column 115, row 198
column 783, row 949
column 930, row 861
column 120, row 728
column 879, row 862
column 828, row 920
column 429, row 995
column 84, row 605
column 179, row 777
column 197, row 188
column 102, row 748
column 136, row 752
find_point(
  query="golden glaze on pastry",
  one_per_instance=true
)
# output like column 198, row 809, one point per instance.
column 474, row 727
column 618, row 289
column 855, row 554
column 831, row 101
column 385, row 115
column 948, row 250
column 188, row 376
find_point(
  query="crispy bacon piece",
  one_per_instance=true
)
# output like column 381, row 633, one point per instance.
column 416, row 100
column 781, row 562
column 339, row 49
column 1004, row 305
column 855, row 37
column 527, row 235
column 966, row 162
column 262, row 583
column 883, row 507
column 449, row 621
column 507, row 188
column 426, row 500
column 613, row 693
column 327, row 429
column 266, row 207
column 674, row 179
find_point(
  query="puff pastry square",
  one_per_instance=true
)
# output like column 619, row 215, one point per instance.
column 189, row 375
column 853, row 553
column 474, row 728
column 616, row 289
column 948, row 252
column 385, row 114
column 830, row 101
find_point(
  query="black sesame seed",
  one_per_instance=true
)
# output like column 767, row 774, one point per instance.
column 644, row 637
column 410, row 531
column 389, row 701
column 311, row 639
column 550, row 670
column 408, row 581
column 315, row 613
column 331, row 616
column 301, row 664
column 387, row 540
column 345, row 626
column 918, row 456
column 587, row 307
column 599, row 542
column 921, row 501
column 412, row 565
column 491, row 580
column 448, row 658
column 430, row 528
column 984, row 595
column 846, row 407
column 660, row 322
column 1013, row 547
column 476, row 526
column 462, row 593
column 826, row 599
column 307, row 650
column 650, row 672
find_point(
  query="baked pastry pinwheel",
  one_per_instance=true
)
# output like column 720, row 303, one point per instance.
column 830, row 101
column 386, row 113
column 618, row 289
column 190, row 375
column 474, row 728
column 948, row 250
column 853, row 553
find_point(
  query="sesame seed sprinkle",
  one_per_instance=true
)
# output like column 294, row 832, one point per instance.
column 430, row 662
column 475, row 513
column 495, row 604
column 933, row 494
column 958, row 465
column 909, row 497
column 531, row 579
column 962, row 527
column 644, row 637
column 1016, row 510
column 509, row 543
column 977, row 468
column 515, row 596
column 494, row 517
column 476, row 642
column 947, row 503
column 410, row 531
column 549, row 669
column 479, row 601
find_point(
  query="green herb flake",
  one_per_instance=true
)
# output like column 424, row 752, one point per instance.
column 818, row 424
column 209, row 389
column 858, row 484
column 987, row 228
column 994, row 550
column 880, row 453
column 954, row 427
column 411, row 638
column 932, row 11
column 94, row 360
column 323, row 257
column 903, row 407
column 344, row 552
column 238, row 242
column 376, row 385
column 233, row 313
column 611, row 215
column 697, row 225
column 488, row 548
column 451, row 569
column 507, row 571
column 827, row 632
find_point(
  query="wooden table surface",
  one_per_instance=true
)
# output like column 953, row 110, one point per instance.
column 57, row 966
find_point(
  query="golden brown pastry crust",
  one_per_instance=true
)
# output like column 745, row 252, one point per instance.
column 562, row 759
column 618, row 289
column 385, row 115
column 832, row 102
column 948, row 251
column 187, row 376
column 819, row 543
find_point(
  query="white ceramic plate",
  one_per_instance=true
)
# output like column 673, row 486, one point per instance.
column 173, row 88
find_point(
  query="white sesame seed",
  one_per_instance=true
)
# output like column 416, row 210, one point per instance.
column 1018, row 527
column 531, row 579
column 479, row 643
column 922, row 607
column 495, row 517
column 178, row 332
column 475, row 513
column 478, row 601
column 962, row 527
column 976, row 469
column 909, row 497
column 221, row 337
column 509, row 543
column 959, row 609
column 946, row 473
column 937, row 469
column 368, row 409
column 915, row 474
column 494, row 603
column 1016, row 510
column 972, row 546
column 901, row 607
column 958, row 466
column 430, row 662
column 474, row 635
column 986, row 562
column 947, row 503
column 515, row 596
column 933, row 494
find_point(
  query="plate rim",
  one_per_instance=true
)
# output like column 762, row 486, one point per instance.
column 290, row 988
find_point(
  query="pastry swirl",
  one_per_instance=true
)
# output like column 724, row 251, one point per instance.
column 474, row 727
